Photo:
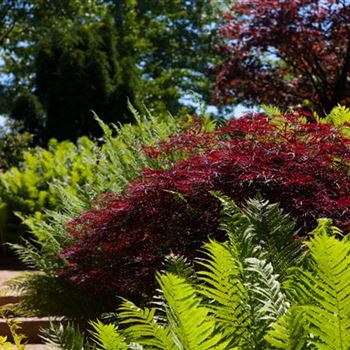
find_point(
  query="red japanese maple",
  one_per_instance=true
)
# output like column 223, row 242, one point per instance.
column 284, row 52
column 119, row 244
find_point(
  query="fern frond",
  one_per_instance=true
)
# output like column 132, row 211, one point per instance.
column 108, row 337
column 289, row 332
column 223, row 287
column 62, row 337
column 261, row 241
column 142, row 327
column 258, row 226
column 180, row 266
column 338, row 115
column 271, row 111
column 276, row 233
column 236, row 225
column 267, row 290
column 325, row 288
column 189, row 321
column 330, row 320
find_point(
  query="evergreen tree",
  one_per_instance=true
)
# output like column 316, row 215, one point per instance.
column 82, row 72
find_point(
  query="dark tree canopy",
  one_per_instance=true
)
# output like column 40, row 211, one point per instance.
column 82, row 73
column 73, row 56
column 286, row 53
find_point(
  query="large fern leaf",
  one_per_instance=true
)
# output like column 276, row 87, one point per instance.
column 267, row 290
column 262, row 246
column 261, row 226
column 329, row 286
column 289, row 332
column 143, row 328
column 276, row 233
column 189, row 321
column 108, row 337
column 227, row 295
column 323, row 288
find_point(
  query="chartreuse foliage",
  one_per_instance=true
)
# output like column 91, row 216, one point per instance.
column 238, row 301
column 338, row 115
column 66, row 172
column 320, row 294
column 18, row 341
column 30, row 188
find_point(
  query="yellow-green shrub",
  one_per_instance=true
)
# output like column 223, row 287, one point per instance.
column 68, row 176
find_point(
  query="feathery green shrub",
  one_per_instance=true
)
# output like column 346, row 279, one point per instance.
column 80, row 172
column 12, row 146
column 30, row 187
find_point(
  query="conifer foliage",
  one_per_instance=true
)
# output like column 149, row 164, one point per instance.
column 121, row 242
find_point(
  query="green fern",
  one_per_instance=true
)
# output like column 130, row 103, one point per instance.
column 320, row 294
column 271, row 111
column 190, row 325
column 289, row 332
column 239, row 277
column 276, row 233
column 221, row 283
column 108, row 337
column 267, row 289
column 143, row 327
column 180, row 266
column 261, row 226
column 338, row 115
column 329, row 288
column 66, row 337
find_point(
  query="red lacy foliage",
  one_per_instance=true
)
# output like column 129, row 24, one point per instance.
column 283, row 52
column 304, row 167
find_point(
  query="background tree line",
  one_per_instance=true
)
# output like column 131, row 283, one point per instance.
column 62, row 59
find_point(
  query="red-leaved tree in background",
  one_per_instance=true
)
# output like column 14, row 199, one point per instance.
column 286, row 52
column 119, row 244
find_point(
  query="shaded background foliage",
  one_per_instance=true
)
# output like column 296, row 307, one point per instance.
column 63, row 59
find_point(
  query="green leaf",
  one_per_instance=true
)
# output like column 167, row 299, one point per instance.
column 189, row 321
column 108, row 337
